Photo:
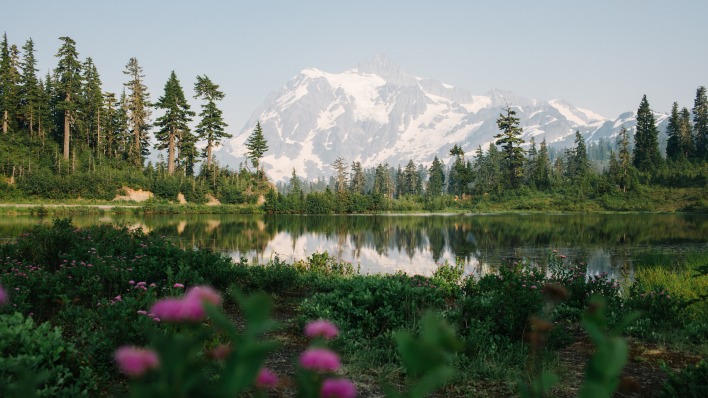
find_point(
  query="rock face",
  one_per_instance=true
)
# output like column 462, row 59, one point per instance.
column 379, row 113
column 133, row 195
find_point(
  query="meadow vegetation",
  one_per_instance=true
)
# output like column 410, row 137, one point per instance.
column 72, row 297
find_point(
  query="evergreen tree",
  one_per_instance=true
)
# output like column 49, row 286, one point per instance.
column 459, row 173
column 510, row 141
column 341, row 176
column 211, row 127
column 646, row 139
column 31, row 96
column 138, row 112
column 9, row 85
column 625, row 161
column 357, row 182
column 256, row 145
column 173, row 124
column 410, row 179
column 68, row 86
column 686, row 134
column 92, row 104
column 383, row 183
column 581, row 163
column 700, row 123
column 436, row 178
column 110, row 120
column 673, row 144
column 541, row 174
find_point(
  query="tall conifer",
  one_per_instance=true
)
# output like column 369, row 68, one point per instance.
column 212, row 125
column 173, row 124
column 68, row 86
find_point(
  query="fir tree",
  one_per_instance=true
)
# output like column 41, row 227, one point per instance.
column 211, row 127
column 92, row 104
column 6, row 87
column 138, row 112
column 700, row 123
column 581, row 163
column 357, row 181
column 541, row 174
column 410, row 179
column 68, row 86
column 646, row 139
column 625, row 161
column 436, row 178
column 673, row 144
column 31, row 96
column 510, row 141
column 686, row 134
column 341, row 177
column 173, row 124
column 256, row 145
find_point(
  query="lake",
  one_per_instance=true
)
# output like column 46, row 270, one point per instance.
column 416, row 243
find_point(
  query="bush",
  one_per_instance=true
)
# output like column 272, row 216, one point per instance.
column 53, row 367
column 691, row 382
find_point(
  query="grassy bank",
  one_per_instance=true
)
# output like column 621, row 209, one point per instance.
column 79, row 280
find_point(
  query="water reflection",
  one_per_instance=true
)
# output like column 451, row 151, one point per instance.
column 415, row 243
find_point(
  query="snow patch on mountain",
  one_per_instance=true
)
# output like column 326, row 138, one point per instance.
column 379, row 113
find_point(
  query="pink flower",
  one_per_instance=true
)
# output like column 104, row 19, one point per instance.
column 266, row 378
column 117, row 298
column 338, row 388
column 203, row 293
column 321, row 328
column 177, row 310
column 320, row 359
column 135, row 361
column 220, row 352
column 131, row 282
column 178, row 286
column 533, row 287
column 3, row 296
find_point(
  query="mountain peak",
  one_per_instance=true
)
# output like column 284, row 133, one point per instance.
column 382, row 66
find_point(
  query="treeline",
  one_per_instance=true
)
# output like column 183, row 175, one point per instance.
column 630, row 167
column 63, row 136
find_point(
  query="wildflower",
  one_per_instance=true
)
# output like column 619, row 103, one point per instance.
column 204, row 293
column 266, row 378
column 533, row 287
column 562, row 256
column 338, row 388
column 118, row 298
column 178, row 286
column 3, row 296
column 177, row 310
column 135, row 361
column 320, row 359
column 321, row 328
column 142, row 312
column 220, row 352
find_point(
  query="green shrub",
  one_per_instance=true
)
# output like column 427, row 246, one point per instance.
column 690, row 382
column 51, row 366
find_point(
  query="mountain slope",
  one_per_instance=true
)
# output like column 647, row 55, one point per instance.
column 379, row 113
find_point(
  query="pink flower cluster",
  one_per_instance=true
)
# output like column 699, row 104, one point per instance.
column 135, row 361
column 338, row 388
column 320, row 360
column 321, row 328
column 188, row 308
column 266, row 378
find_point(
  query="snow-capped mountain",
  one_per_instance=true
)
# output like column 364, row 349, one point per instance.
column 379, row 113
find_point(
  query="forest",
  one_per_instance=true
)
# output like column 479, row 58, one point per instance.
column 64, row 138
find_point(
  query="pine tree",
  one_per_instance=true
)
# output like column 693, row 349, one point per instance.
column 173, row 124
column 68, row 86
column 410, row 179
column 138, row 113
column 510, row 141
column 700, row 123
column 688, row 149
column 9, row 85
column 673, row 144
column 30, row 88
column 256, row 145
column 541, row 174
column 646, row 139
column 357, row 181
column 436, row 178
column 341, row 177
column 92, row 104
column 211, row 127
column 625, row 160
column 581, row 163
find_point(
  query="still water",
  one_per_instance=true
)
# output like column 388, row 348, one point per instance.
column 416, row 243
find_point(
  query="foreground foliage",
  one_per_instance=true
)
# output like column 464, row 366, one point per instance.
column 109, row 278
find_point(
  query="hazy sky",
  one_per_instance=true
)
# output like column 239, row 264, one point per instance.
column 602, row 55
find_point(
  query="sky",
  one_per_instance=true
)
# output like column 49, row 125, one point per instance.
column 601, row 55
